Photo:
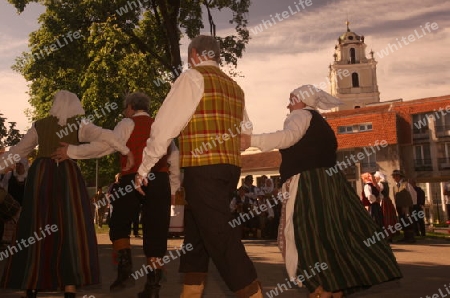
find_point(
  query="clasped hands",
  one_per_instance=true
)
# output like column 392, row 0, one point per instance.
column 141, row 180
column 60, row 154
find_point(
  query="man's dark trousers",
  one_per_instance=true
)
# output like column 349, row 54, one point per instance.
column 207, row 225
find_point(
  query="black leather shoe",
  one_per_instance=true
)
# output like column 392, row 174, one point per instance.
column 152, row 286
column 31, row 293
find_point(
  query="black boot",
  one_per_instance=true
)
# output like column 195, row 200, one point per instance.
column 69, row 295
column 124, row 278
column 152, row 286
column 31, row 294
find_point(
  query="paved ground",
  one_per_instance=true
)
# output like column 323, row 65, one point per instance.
column 425, row 266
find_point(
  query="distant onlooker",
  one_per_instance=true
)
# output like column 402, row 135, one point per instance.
column 236, row 204
column 251, row 201
column 405, row 198
column 102, row 205
column 15, row 181
column 447, row 199
column 419, row 224
column 250, row 189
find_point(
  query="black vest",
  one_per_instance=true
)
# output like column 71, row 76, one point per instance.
column 374, row 190
column 316, row 149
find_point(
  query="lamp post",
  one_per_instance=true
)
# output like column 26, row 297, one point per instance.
column 437, row 205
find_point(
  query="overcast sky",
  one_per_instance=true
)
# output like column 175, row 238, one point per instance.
column 294, row 51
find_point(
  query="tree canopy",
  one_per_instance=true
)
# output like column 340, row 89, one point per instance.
column 9, row 136
column 103, row 49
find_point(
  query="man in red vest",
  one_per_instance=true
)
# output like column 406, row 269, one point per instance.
column 134, row 130
column 209, row 108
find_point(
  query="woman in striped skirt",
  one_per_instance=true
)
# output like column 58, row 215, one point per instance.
column 56, row 246
column 387, row 207
column 326, row 230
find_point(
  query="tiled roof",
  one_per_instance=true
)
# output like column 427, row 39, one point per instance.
column 261, row 161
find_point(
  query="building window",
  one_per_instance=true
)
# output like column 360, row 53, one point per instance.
column 365, row 127
column 355, row 128
column 422, row 158
column 443, row 122
column 352, row 55
column 355, row 80
column 369, row 163
column 345, row 162
column 444, row 163
column 345, row 129
column 420, row 123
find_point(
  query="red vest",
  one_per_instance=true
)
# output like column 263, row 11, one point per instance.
column 137, row 142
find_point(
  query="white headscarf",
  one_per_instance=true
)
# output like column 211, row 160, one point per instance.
column 380, row 175
column 22, row 177
column 316, row 98
column 66, row 105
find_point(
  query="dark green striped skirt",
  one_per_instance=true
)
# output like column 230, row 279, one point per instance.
column 332, row 228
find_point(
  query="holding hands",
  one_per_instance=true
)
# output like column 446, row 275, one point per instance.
column 139, row 181
column 60, row 155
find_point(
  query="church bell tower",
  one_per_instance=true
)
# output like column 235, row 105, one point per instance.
column 353, row 76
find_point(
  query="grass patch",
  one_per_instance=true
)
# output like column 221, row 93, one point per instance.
column 103, row 230
column 429, row 235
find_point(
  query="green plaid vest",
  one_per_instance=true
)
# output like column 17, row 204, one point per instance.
column 212, row 136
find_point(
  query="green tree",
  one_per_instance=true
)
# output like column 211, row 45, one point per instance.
column 103, row 49
column 9, row 136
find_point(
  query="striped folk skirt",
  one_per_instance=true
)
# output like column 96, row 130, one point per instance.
column 389, row 214
column 55, row 243
column 332, row 229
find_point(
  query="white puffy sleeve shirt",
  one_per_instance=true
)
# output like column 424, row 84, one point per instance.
column 87, row 132
column 294, row 128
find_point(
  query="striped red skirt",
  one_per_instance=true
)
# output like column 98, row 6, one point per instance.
column 55, row 243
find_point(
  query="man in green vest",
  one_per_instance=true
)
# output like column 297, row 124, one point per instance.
column 205, row 109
